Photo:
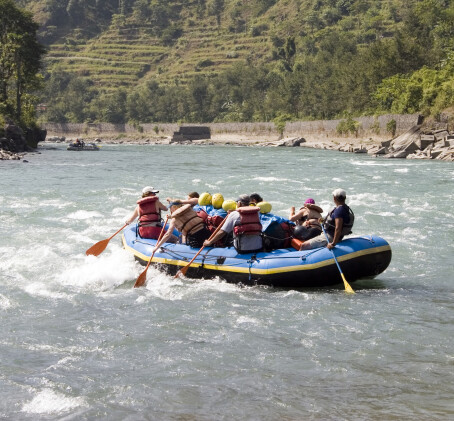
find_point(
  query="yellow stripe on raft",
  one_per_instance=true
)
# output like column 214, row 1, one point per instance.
column 270, row 271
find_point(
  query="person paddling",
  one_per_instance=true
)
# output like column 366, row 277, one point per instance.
column 185, row 220
column 148, row 210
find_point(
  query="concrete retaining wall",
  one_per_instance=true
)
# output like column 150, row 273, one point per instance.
column 369, row 126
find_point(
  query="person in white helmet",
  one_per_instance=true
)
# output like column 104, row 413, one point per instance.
column 148, row 210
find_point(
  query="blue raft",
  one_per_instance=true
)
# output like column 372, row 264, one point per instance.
column 359, row 257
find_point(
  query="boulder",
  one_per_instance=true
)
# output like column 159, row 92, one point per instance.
column 34, row 136
column 292, row 142
column 402, row 141
column 440, row 134
column 16, row 135
column 398, row 154
column 411, row 147
column 425, row 141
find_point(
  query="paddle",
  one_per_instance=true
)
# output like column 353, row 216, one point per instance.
column 183, row 271
column 347, row 286
column 100, row 246
column 143, row 276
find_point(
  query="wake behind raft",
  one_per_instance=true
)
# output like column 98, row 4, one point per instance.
column 360, row 257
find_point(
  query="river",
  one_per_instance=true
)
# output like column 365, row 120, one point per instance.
column 77, row 342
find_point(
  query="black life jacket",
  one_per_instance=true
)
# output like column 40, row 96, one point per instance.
column 330, row 223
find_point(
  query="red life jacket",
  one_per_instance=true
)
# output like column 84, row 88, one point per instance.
column 213, row 221
column 149, row 217
column 249, row 223
column 202, row 214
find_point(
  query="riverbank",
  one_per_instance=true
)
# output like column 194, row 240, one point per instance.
column 417, row 143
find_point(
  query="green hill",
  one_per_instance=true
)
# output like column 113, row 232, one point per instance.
column 223, row 60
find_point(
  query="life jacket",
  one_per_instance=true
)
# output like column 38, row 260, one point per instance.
column 187, row 221
column 149, row 217
column 313, row 214
column 201, row 213
column 249, row 223
column 330, row 223
column 277, row 235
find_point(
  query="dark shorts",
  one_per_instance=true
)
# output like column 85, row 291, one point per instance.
column 196, row 240
column 305, row 233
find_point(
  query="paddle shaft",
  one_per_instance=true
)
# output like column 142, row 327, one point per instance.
column 347, row 286
column 100, row 246
column 110, row 238
column 143, row 276
column 185, row 269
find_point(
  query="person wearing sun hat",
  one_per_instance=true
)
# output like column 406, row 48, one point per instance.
column 148, row 210
column 337, row 224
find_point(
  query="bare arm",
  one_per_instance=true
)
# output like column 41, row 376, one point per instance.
column 337, row 232
column 166, row 236
column 161, row 206
column 133, row 216
column 216, row 238
column 298, row 215
column 192, row 201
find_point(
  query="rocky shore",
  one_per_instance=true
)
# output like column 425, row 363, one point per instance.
column 417, row 143
column 14, row 143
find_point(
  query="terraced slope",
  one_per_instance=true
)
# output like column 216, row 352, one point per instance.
column 124, row 57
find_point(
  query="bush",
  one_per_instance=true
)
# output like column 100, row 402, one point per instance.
column 205, row 63
column 348, row 126
column 391, row 126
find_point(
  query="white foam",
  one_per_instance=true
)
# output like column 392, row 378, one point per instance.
column 82, row 214
column 50, row 402
column 269, row 179
column 248, row 320
column 101, row 273
column 5, row 302
column 401, row 170
column 40, row 289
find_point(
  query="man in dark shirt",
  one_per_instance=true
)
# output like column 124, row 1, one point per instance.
column 337, row 224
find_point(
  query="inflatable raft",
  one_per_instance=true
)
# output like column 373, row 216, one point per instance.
column 84, row 147
column 359, row 257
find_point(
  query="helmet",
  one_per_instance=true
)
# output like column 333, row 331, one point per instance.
column 205, row 199
column 265, row 207
column 217, row 200
column 229, row 205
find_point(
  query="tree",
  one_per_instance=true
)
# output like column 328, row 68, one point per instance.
column 20, row 57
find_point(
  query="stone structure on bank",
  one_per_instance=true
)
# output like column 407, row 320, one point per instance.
column 190, row 133
column 417, row 143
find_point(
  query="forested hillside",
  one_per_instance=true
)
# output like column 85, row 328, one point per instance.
column 238, row 60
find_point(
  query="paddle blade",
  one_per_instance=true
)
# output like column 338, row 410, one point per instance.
column 97, row 248
column 347, row 286
column 181, row 272
column 141, row 279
